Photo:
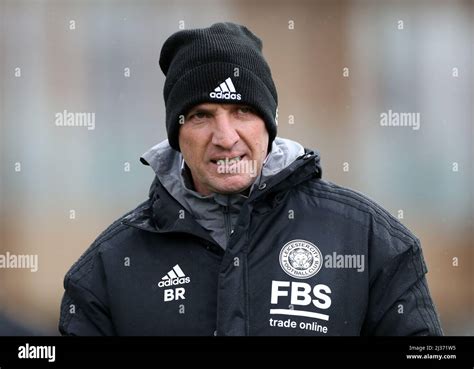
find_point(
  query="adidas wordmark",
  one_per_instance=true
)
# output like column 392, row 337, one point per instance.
column 225, row 90
column 174, row 277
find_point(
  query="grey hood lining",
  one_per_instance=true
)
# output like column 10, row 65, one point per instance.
column 169, row 167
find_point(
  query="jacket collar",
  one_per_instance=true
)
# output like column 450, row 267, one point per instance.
column 148, row 216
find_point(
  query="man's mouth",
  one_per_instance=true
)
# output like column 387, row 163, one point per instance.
column 228, row 160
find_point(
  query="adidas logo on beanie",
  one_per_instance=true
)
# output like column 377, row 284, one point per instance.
column 219, row 64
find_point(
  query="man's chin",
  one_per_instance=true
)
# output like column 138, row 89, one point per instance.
column 232, row 187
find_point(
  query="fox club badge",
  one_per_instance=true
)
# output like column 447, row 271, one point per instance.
column 300, row 259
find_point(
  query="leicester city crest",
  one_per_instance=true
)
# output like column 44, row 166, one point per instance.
column 300, row 259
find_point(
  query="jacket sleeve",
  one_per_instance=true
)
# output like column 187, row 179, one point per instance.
column 399, row 300
column 84, row 310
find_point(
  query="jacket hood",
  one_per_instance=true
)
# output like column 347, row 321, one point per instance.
column 169, row 167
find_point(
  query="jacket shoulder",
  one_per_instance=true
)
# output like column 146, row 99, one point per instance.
column 110, row 235
column 359, row 207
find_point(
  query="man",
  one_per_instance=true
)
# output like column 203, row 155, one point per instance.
column 240, row 234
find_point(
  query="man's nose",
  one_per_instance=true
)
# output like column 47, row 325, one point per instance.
column 224, row 134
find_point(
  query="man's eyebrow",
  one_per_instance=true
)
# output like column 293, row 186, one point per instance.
column 200, row 109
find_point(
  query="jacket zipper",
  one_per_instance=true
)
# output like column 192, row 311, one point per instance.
column 228, row 230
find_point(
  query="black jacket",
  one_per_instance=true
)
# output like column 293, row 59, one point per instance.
column 306, row 257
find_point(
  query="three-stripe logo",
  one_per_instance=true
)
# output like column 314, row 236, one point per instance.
column 174, row 277
column 225, row 90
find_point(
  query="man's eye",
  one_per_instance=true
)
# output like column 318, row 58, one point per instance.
column 198, row 115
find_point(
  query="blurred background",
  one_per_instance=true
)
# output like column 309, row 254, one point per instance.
column 338, row 65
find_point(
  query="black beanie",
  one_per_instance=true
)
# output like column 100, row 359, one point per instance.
column 219, row 64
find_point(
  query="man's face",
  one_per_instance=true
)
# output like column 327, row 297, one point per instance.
column 224, row 146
